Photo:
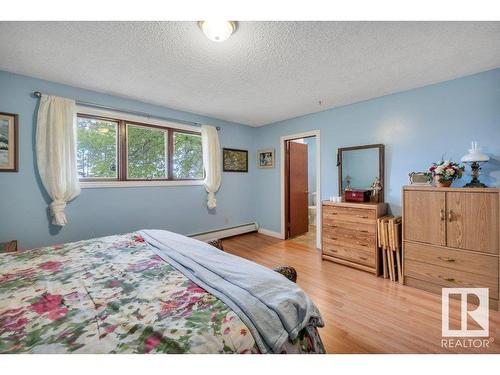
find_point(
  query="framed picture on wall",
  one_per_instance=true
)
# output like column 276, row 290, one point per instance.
column 234, row 160
column 265, row 158
column 8, row 142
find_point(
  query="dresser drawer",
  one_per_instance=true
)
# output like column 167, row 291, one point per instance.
column 355, row 236
column 457, row 260
column 349, row 244
column 361, row 256
column 348, row 214
column 361, row 227
column 449, row 277
column 434, row 288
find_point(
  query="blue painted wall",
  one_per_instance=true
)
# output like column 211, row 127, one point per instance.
column 416, row 126
column 97, row 212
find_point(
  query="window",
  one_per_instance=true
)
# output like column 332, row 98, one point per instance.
column 119, row 150
column 188, row 160
column 97, row 145
column 147, row 154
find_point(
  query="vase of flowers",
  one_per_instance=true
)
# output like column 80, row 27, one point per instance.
column 445, row 172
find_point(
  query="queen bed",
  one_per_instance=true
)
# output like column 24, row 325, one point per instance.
column 149, row 292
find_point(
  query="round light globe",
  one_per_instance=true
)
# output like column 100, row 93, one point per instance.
column 475, row 155
column 217, row 31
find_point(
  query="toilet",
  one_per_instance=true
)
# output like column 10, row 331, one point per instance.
column 312, row 210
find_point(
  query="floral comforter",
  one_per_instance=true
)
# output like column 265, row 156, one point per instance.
column 115, row 295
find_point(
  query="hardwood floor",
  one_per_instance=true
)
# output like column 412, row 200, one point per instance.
column 362, row 313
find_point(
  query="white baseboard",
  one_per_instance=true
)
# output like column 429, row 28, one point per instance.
column 227, row 232
column 270, row 233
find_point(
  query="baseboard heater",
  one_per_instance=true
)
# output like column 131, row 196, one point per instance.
column 226, row 232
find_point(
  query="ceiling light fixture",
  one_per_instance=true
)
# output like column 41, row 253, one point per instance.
column 217, row 31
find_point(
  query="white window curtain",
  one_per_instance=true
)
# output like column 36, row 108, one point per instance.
column 56, row 153
column 211, row 162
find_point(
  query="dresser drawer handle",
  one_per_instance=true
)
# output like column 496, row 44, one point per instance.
column 363, row 258
column 450, row 279
column 450, row 260
column 363, row 231
column 362, row 244
column 334, row 238
column 363, row 216
column 441, row 214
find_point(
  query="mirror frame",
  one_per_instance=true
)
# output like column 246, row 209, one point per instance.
column 381, row 165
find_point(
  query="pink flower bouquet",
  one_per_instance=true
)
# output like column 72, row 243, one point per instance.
column 445, row 171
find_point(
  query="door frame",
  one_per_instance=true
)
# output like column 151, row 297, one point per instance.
column 312, row 133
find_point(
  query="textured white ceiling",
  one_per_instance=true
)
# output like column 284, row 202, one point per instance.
column 266, row 72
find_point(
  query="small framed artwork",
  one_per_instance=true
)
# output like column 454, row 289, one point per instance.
column 234, row 160
column 265, row 158
column 8, row 142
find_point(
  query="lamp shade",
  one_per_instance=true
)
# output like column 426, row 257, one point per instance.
column 475, row 155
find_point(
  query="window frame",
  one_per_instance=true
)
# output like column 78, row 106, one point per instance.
column 122, row 179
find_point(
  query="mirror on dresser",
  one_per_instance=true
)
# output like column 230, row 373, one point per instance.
column 362, row 167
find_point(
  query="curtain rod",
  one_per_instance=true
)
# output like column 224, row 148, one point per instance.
column 38, row 94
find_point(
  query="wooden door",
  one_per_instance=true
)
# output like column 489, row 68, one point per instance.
column 297, row 186
column 424, row 216
column 472, row 221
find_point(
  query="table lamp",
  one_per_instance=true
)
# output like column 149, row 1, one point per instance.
column 474, row 158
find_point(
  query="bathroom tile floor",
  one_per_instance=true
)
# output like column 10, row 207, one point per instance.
column 308, row 239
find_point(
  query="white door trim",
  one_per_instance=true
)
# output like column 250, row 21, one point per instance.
column 313, row 133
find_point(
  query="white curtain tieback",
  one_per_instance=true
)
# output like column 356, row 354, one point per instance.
column 57, row 209
column 211, row 201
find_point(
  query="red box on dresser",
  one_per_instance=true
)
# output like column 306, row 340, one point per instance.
column 357, row 195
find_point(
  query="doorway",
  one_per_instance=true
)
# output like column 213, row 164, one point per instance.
column 300, row 188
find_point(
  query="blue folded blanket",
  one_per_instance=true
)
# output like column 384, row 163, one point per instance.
column 274, row 308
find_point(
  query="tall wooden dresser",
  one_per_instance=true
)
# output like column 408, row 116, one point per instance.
column 349, row 234
column 451, row 238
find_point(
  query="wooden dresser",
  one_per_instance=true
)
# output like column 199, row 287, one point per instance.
column 349, row 234
column 451, row 238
